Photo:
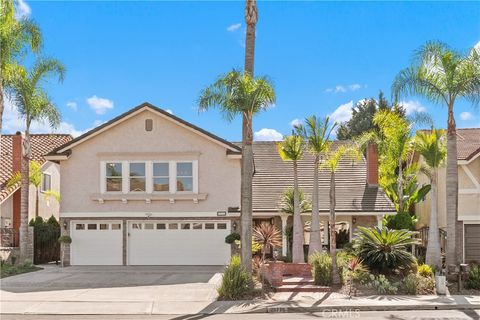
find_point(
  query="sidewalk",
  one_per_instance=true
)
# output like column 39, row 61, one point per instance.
column 279, row 303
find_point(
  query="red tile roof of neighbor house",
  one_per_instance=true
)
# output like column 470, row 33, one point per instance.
column 468, row 143
column 41, row 144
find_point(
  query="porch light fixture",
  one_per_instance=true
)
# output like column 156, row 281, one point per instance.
column 234, row 225
column 65, row 225
column 148, row 215
column 354, row 220
column 221, row 213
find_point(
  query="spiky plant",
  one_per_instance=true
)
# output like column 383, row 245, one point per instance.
column 267, row 235
column 384, row 249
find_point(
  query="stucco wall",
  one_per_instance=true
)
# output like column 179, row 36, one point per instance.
column 468, row 204
column 218, row 176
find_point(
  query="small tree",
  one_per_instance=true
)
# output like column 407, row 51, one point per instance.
column 64, row 240
column 267, row 235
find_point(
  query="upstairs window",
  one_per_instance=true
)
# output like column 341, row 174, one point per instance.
column 137, row 177
column 161, row 177
column 184, row 176
column 46, row 182
column 113, row 172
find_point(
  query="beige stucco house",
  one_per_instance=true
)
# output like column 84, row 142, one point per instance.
column 468, row 144
column 10, row 196
column 148, row 188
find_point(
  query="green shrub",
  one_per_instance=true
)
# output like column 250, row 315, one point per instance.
column 425, row 271
column 415, row 283
column 27, row 263
column 400, row 221
column 232, row 237
column 321, row 268
column 473, row 280
column 355, row 272
column 382, row 285
column 236, row 283
column 65, row 239
column 384, row 249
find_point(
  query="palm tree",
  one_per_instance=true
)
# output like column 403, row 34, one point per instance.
column 15, row 36
column 287, row 201
column 267, row 235
column 331, row 164
column 33, row 103
column 35, row 180
column 317, row 133
column 251, row 19
column 442, row 75
column 431, row 146
column 241, row 94
column 291, row 149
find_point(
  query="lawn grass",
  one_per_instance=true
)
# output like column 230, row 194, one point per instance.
column 8, row 270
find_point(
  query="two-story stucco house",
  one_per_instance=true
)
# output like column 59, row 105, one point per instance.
column 10, row 196
column 148, row 188
column 468, row 145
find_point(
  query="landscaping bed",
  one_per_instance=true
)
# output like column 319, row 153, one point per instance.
column 7, row 270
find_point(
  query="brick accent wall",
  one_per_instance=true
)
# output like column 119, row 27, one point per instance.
column 274, row 272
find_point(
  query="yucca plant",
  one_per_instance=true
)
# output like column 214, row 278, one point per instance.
column 236, row 283
column 384, row 249
column 267, row 235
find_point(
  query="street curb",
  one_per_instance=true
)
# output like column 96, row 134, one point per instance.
column 288, row 309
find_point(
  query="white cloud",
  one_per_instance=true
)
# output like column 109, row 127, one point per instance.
column 13, row 122
column 412, row 106
column 466, row 116
column 477, row 46
column 23, row 10
column 342, row 113
column 354, row 87
column 99, row 105
column 234, row 27
column 72, row 105
column 295, row 122
column 169, row 111
column 343, row 88
column 266, row 134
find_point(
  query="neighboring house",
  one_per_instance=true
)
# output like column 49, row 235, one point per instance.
column 468, row 145
column 148, row 188
column 10, row 163
column 359, row 199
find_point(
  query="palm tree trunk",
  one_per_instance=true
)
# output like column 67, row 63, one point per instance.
column 247, row 140
column 297, row 250
column 400, row 186
column 454, row 241
column 1, row 106
column 315, row 239
column 24, row 191
column 333, row 235
column 246, row 193
column 433, row 257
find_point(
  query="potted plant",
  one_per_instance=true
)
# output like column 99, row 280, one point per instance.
column 64, row 240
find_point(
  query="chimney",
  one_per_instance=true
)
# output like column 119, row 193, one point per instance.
column 17, row 147
column 372, row 164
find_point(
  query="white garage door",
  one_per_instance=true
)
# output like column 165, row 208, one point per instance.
column 178, row 243
column 96, row 243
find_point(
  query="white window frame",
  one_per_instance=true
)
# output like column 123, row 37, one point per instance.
column 168, row 177
column 130, row 177
column 172, row 171
column 42, row 185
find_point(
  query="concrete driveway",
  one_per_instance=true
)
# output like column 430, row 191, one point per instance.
column 111, row 290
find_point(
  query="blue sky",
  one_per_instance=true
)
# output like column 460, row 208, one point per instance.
column 322, row 56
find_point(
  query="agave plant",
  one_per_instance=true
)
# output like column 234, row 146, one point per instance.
column 384, row 249
column 267, row 235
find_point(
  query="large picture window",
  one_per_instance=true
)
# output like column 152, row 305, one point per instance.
column 113, row 172
column 184, row 176
column 161, row 180
column 137, row 177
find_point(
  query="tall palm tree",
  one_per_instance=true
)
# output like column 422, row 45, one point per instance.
column 291, row 149
column 237, row 94
column 331, row 164
column 16, row 35
column 442, row 75
column 246, row 191
column 431, row 146
column 317, row 134
column 33, row 103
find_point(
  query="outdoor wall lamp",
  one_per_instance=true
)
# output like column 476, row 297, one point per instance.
column 354, row 220
column 234, row 225
column 65, row 225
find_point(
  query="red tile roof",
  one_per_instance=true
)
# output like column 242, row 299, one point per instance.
column 41, row 144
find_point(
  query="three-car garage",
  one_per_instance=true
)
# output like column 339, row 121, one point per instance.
column 149, row 242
